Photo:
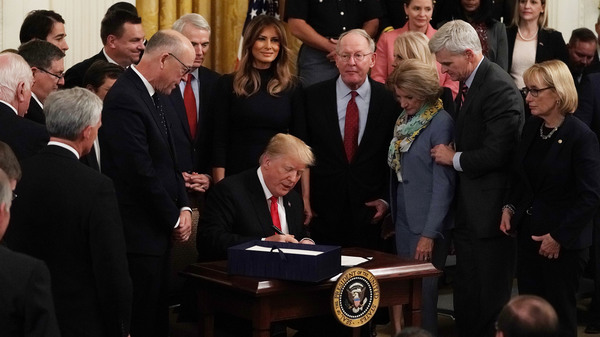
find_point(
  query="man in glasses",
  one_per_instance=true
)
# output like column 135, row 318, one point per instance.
column 364, row 113
column 25, row 137
column 137, row 153
column 47, row 64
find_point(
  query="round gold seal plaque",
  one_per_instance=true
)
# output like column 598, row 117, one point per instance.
column 355, row 297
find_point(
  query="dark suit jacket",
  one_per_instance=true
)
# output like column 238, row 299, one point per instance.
column 193, row 155
column 487, row 131
column 74, row 76
column 24, row 137
column 75, row 228
column 26, row 306
column 567, row 195
column 141, row 161
column 340, row 189
column 588, row 109
column 237, row 211
column 551, row 46
column 35, row 112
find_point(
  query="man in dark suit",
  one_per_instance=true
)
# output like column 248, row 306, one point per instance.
column 47, row 64
column 76, row 227
column 99, row 78
column 23, row 136
column 490, row 115
column 122, row 35
column 582, row 53
column 138, row 154
column 240, row 208
column 25, row 298
column 192, row 122
column 588, row 111
column 350, row 137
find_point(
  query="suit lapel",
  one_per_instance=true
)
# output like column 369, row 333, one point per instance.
column 291, row 220
column 180, row 111
column 373, row 120
column 331, row 118
column 558, row 143
column 259, row 203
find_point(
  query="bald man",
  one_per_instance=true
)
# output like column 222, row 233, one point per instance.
column 138, row 154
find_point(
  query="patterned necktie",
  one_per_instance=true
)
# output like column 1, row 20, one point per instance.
column 161, row 114
column 460, row 98
column 190, row 105
column 351, row 127
column 275, row 212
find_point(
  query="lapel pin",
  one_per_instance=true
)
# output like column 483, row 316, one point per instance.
column 560, row 141
column 289, row 204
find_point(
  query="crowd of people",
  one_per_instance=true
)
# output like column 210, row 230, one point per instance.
column 471, row 136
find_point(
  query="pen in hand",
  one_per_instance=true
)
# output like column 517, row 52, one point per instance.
column 277, row 230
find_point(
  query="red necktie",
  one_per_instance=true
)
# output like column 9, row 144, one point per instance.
column 275, row 212
column 351, row 127
column 190, row 105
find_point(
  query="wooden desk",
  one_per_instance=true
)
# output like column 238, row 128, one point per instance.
column 267, row 301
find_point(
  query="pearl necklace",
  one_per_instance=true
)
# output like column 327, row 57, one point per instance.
column 544, row 137
column 524, row 39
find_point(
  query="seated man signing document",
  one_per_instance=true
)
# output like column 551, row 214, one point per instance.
column 257, row 204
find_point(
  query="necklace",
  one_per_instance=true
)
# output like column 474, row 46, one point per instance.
column 528, row 39
column 544, row 137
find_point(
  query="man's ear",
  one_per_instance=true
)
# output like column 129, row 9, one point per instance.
column 87, row 132
column 20, row 92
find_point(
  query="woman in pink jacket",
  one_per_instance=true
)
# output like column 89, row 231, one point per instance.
column 419, row 14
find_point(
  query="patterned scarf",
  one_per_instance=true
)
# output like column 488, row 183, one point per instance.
column 406, row 131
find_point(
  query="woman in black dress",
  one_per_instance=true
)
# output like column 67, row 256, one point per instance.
column 254, row 102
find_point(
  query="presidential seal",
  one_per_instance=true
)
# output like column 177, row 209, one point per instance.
column 355, row 297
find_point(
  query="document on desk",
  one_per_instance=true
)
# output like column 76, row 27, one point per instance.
column 351, row 261
column 285, row 250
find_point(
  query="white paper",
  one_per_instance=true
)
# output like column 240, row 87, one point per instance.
column 285, row 250
column 351, row 261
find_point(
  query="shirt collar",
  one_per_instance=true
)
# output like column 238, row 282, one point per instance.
column 343, row 90
column 10, row 106
column 64, row 146
column 471, row 77
column 147, row 84
column 37, row 100
column 110, row 60
column 268, row 193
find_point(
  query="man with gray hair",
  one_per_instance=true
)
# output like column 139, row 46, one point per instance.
column 349, row 124
column 47, row 64
column 488, row 123
column 191, row 129
column 25, row 298
column 138, row 154
column 75, row 228
column 23, row 136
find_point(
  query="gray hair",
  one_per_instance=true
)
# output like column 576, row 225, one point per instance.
column 70, row 111
column 5, row 190
column 456, row 37
column 13, row 70
column 360, row 32
column 193, row 19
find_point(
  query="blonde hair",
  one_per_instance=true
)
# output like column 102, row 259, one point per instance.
column 246, row 79
column 555, row 74
column 417, row 78
column 414, row 45
column 542, row 19
column 283, row 144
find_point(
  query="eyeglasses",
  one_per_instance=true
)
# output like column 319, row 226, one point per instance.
column 58, row 77
column 358, row 57
column 532, row 91
column 186, row 69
